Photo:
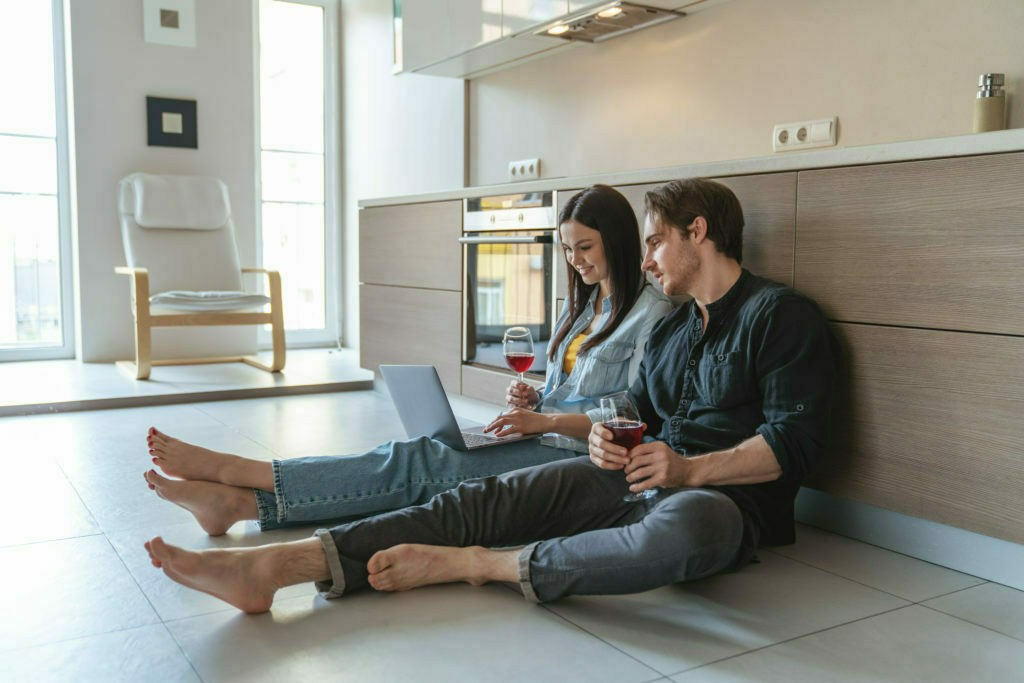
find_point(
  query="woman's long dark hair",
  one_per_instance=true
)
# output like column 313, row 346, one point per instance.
column 603, row 208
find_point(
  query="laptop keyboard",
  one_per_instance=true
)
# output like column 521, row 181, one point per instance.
column 473, row 439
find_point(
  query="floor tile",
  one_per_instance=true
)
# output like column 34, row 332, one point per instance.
column 911, row 644
column 319, row 424
column 888, row 571
column 137, row 655
column 682, row 626
column 174, row 601
column 59, row 590
column 996, row 607
column 43, row 504
column 122, row 500
column 441, row 633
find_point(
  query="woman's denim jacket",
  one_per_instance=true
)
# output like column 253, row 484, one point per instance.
column 606, row 368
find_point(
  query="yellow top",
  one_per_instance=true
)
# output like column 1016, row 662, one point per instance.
column 570, row 353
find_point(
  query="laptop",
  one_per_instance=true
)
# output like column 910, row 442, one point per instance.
column 424, row 409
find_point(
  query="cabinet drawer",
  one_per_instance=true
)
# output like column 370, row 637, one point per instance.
column 402, row 326
column 928, row 424
column 936, row 244
column 413, row 245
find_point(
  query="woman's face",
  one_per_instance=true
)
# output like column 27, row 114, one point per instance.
column 584, row 251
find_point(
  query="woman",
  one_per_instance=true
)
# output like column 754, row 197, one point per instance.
column 597, row 348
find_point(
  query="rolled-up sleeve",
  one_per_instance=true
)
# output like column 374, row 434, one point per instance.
column 796, row 365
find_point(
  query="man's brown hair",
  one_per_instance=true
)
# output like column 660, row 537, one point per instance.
column 679, row 202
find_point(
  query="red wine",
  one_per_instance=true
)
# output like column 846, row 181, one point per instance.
column 626, row 433
column 519, row 361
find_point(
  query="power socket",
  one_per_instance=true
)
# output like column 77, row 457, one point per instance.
column 805, row 134
column 524, row 169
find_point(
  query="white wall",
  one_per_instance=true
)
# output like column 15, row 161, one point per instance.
column 402, row 134
column 114, row 71
column 710, row 86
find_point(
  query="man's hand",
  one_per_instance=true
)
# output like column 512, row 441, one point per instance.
column 521, row 395
column 603, row 452
column 520, row 420
column 655, row 464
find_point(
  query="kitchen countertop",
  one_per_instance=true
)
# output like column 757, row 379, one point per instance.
column 960, row 145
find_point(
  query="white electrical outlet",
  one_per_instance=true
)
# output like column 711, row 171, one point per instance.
column 805, row 134
column 524, row 169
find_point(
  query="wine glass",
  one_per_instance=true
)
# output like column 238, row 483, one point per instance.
column 517, row 344
column 620, row 416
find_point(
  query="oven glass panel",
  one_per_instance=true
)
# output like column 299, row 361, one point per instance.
column 508, row 284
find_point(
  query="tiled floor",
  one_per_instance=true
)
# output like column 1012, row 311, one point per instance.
column 81, row 602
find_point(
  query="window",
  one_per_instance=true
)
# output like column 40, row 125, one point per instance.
column 298, row 161
column 35, row 282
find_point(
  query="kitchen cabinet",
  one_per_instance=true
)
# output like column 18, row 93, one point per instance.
column 434, row 30
column 517, row 15
column 405, row 326
column 941, row 240
column 412, row 245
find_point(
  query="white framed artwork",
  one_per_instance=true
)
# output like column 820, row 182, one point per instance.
column 169, row 22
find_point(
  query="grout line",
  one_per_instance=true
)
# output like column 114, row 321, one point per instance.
column 973, row 623
column 788, row 640
column 958, row 590
column 181, row 649
column 599, row 638
column 846, row 578
column 50, row 540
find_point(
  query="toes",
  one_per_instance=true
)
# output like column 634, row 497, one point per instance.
column 381, row 582
column 380, row 561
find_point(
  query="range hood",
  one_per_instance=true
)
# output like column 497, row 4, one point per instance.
column 607, row 21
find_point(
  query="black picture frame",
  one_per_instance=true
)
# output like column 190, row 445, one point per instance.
column 156, row 107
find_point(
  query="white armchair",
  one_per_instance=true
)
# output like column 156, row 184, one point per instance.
column 179, row 242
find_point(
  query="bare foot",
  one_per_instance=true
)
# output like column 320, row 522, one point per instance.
column 243, row 577
column 215, row 506
column 185, row 461
column 411, row 565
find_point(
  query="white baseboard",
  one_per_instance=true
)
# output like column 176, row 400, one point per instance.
column 965, row 551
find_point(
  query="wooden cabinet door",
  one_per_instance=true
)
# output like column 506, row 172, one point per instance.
column 403, row 326
column 412, row 245
column 935, row 244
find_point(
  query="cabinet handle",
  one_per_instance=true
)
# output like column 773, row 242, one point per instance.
column 533, row 239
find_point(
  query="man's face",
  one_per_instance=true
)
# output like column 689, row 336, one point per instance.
column 669, row 256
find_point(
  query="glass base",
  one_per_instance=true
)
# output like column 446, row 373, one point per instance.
column 641, row 495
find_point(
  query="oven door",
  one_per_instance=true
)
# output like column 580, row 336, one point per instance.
column 509, row 281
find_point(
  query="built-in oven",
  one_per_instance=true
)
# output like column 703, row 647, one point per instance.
column 509, row 258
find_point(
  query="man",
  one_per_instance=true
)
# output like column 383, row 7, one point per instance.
column 735, row 389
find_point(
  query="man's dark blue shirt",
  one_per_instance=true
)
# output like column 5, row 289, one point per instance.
column 766, row 364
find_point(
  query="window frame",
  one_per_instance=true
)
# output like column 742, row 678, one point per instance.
column 66, row 254
column 330, row 335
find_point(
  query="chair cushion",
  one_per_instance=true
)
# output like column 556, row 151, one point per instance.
column 181, row 202
column 208, row 301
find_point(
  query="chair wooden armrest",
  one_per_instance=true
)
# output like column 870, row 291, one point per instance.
column 258, row 270
column 128, row 270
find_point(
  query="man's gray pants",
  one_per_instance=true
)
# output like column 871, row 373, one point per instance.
column 580, row 537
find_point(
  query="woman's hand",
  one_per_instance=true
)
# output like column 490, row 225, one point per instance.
column 522, row 395
column 520, row 420
column 603, row 452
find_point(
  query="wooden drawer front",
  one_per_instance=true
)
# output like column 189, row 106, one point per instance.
column 404, row 326
column 414, row 245
column 925, row 244
column 930, row 425
column 488, row 385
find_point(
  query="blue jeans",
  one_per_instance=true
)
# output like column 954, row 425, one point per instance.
column 394, row 475
column 580, row 537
